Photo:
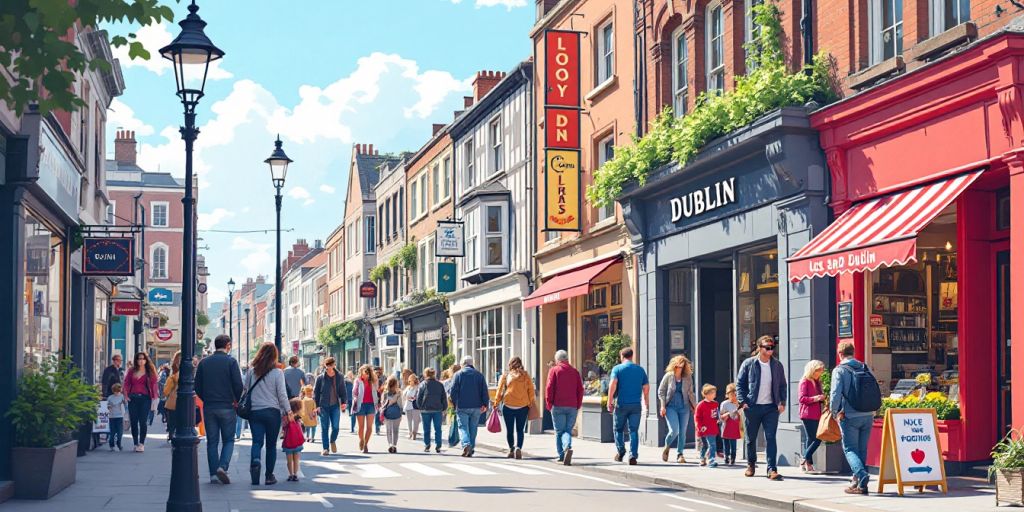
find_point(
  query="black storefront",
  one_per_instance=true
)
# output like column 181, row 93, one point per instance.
column 426, row 329
column 710, row 236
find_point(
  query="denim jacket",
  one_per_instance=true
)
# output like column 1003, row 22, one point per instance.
column 841, row 382
column 749, row 381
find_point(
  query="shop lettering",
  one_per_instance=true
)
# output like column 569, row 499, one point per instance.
column 701, row 201
column 841, row 261
column 917, row 434
column 104, row 257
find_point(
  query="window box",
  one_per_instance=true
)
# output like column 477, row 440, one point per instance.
column 962, row 33
column 873, row 74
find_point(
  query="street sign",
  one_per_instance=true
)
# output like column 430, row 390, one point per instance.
column 127, row 307
column 161, row 296
column 164, row 334
column 368, row 290
column 450, row 239
column 201, row 288
column 445, row 277
column 107, row 256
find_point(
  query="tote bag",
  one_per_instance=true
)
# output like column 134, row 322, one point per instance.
column 828, row 427
column 494, row 422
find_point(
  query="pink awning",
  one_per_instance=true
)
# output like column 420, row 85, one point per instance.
column 570, row 284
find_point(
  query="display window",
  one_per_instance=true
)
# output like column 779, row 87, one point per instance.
column 101, row 349
column 757, row 298
column 43, row 301
column 602, row 315
column 484, row 334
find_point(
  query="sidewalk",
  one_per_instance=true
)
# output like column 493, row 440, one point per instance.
column 798, row 492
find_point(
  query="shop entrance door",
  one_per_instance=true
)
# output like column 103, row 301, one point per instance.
column 1003, row 339
column 715, row 326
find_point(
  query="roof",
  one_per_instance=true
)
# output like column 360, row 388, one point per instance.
column 316, row 261
column 367, row 167
column 521, row 74
column 147, row 179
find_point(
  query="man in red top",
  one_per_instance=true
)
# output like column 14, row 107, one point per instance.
column 563, row 397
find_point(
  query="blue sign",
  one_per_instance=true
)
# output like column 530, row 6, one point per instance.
column 392, row 340
column 445, row 277
column 398, row 327
column 108, row 257
column 161, row 296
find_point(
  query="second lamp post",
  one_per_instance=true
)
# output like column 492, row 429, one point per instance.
column 278, row 163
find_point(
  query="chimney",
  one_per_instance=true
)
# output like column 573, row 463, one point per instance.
column 369, row 150
column 125, row 150
column 318, row 244
column 467, row 101
column 437, row 127
column 545, row 6
column 484, row 82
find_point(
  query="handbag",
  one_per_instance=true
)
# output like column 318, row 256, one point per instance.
column 828, row 427
column 494, row 422
column 390, row 410
column 534, row 412
column 244, row 409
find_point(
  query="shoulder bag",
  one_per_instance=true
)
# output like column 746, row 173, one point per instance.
column 245, row 403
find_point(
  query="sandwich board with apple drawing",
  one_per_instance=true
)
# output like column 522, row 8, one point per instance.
column 911, row 453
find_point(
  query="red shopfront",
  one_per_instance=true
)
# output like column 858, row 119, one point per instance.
column 924, row 169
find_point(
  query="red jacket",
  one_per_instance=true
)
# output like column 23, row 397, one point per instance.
column 565, row 387
column 145, row 385
column 706, row 419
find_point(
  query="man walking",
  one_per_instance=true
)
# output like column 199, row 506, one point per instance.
column 563, row 397
column 469, row 394
column 854, row 399
column 330, row 396
column 219, row 386
column 294, row 378
column 112, row 375
column 628, row 389
column 761, row 392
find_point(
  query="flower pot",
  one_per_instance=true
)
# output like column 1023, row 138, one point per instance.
column 1010, row 486
column 597, row 423
column 41, row 473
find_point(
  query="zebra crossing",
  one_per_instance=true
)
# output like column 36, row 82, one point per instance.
column 325, row 469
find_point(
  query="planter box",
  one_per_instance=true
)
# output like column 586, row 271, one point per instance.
column 596, row 423
column 1010, row 486
column 41, row 473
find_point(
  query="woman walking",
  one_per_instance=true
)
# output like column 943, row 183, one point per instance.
column 265, row 385
column 140, row 388
column 171, row 393
column 364, row 398
column 453, row 427
column 678, row 404
column 391, row 410
column 811, row 400
column 515, row 394
column 412, row 415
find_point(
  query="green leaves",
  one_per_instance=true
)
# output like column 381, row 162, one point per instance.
column 52, row 402
column 1008, row 454
column 339, row 332
column 611, row 345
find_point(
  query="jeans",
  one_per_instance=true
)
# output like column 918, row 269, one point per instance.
column 431, row 419
column 377, row 423
column 811, row 431
column 220, row 424
column 330, row 417
column 678, row 418
column 564, row 419
column 453, row 431
column 266, row 428
column 856, row 433
column 138, row 412
column 151, row 414
column 116, row 432
column 729, row 447
column 238, row 427
column 515, row 425
column 469, row 420
column 627, row 415
column 767, row 416
column 352, row 421
column 708, row 447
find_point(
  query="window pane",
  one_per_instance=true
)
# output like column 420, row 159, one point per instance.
column 494, row 219
column 494, row 250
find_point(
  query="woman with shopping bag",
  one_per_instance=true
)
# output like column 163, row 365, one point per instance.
column 811, row 399
column 515, row 396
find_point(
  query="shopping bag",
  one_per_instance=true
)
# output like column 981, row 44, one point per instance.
column 494, row 422
column 534, row 412
column 828, row 427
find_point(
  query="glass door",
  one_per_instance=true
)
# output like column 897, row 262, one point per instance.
column 1003, row 339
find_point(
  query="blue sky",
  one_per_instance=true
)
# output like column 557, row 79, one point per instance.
column 323, row 74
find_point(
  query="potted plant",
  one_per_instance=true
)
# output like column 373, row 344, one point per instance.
column 597, row 421
column 52, row 403
column 1008, row 469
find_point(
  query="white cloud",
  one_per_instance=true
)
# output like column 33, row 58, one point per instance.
column 433, row 87
column 240, row 243
column 209, row 220
column 122, row 117
column 301, row 194
column 327, row 189
column 257, row 262
column 509, row 4
column 154, row 37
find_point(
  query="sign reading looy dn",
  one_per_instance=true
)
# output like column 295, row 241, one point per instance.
column 562, row 128
column 562, row 74
column 911, row 452
column 562, row 190
column 108, row 257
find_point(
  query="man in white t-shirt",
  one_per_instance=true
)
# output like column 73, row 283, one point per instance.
column 761, row 391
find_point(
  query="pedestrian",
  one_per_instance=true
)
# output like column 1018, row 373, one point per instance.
column 112, row 375
column 391, row 410
column 140, row 388
column 293, row 438
column 515, row 395
column 381, row 383
column 309, row 416
column 627, row 397
column 161, row 382
column 563, row 397
column 431, row 401
column 329, row 394
column 219, row 386
column 811, row 400
column 350, row 377
column 115, row 415
column 730, row 414
column 678, row 404
column 365, row 393
column 239, row 422
column 294, row 378
column 170, row 390
column 853, row 400
column 469, row 394
column 265, row 385
column 453, row 424
column 706, row 425
column 761, row 391
column 412, row 415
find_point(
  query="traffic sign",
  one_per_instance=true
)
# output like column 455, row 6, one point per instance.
column 164, row 334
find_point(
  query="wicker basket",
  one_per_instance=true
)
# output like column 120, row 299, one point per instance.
column 1010, row 486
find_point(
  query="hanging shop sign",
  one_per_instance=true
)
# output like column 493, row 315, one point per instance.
column 368, row 290
column 127, row 307
column 161, row 296
column 562, row 202
column 108, row 256
column 450, row 239
column 562, row 103
column 445, row 277
column 911, row 453
column 562, row 128
column 164, row 334
column 562, row 76
column 703, row 200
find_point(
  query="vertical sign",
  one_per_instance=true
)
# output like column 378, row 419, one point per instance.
column 562, row 103
column 845, row 320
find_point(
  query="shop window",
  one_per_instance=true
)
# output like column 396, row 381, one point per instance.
column 715, row 51
column 946, row 14
column 485, row 338
column 757, row 298
column 43, row 292
column 680, row 64
column 680, row 312
column 597, row 298
column 886, row 26
column 605, row 58
column 595, row 326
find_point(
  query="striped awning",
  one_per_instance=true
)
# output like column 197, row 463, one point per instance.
column 880, row 231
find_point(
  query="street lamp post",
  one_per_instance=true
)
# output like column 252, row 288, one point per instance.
column 190, row 54
column 231, row 308
column 278, row 163
column 247, row 330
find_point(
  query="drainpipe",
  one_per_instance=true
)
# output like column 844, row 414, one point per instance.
column 640, row 68
column 808, row 36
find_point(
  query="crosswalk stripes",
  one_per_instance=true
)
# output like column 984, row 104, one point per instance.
column 515, row 468
column 376, row 471
column 469, row 469
column 424, row 469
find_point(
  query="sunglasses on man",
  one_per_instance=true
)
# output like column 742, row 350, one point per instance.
column 768, row 347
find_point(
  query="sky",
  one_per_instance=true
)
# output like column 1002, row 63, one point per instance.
column 323, row 74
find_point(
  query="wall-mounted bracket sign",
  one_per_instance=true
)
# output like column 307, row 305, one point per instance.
column 108, row 256
column 562, row 102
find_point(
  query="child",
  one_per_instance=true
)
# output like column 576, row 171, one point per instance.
column 706, row 424
column 115, row 413
column 309, row 421
column 729, row 412
column 293, row 440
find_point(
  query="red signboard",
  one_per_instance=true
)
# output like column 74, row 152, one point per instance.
column 368, row 290
column 562, row 68
column 127, row 307
column 562, row 128
column 164, row 334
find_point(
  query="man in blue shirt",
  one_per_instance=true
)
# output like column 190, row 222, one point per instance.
column 469, row 395
column 628, row 390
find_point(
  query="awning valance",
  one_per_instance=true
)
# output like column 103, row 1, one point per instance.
column 573, row 283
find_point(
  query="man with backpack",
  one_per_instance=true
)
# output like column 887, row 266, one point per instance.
column 854, row 399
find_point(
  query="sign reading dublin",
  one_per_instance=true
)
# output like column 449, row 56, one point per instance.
column 108, row 257
column 161, row 296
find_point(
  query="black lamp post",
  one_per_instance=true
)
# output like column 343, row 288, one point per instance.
column 231, row 308
column 278, row 163
column 247, row 330
column 190, row 54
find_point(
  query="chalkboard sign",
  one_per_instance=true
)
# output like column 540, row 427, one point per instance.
column 911, row 453
column 845, row 320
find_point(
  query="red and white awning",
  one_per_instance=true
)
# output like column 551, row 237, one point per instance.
column 881, row 231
